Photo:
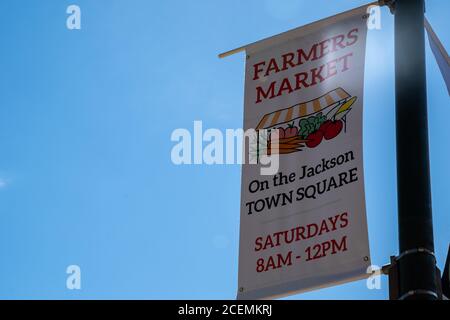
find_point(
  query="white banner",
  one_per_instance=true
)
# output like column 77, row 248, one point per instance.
column 304, row 227
column 440, row 54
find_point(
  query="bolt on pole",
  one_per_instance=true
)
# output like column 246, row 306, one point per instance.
column 416, row 262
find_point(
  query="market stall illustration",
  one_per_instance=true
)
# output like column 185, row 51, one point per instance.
column 305, row 124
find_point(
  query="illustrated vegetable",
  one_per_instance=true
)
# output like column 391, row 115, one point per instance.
column 323, row 126
column 311, row 124
column 284, row 151
column 278, row 134
column 333, row 129
column 314, row 139
column 291, row 131
column 296, row 139
column 346, row 106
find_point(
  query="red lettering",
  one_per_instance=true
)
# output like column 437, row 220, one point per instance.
column 337, row 42
column 344, row 220
column 287, row 60
column 300, row 80
column 345, row 58
column 269, row 94
column 324, row 48
column 285, row 86
column 303, row 57
column 316, row 74
column 331, row 68
column 353, row 36
column 257, row 70
column 273, row 66
column 258, row 244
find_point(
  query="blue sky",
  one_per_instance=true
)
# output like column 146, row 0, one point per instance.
column 86, row 116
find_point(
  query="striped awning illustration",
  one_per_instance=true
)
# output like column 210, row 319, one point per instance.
column 303, row 109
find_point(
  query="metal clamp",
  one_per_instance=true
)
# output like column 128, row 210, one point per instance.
column 417, row 250
column 419, row 291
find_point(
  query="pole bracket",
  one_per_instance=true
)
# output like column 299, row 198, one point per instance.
column 394, row 276
column 419, row 291
column 413, row 251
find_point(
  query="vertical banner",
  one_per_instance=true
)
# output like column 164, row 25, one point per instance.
column 304, row 226
column 440, row 54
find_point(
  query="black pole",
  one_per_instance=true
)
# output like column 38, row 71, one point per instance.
column 416, row 262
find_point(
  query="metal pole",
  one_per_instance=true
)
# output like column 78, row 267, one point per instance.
column 416, row 261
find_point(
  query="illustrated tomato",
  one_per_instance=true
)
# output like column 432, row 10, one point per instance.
column 314, row 139
column 333, row 129
column 290, row 132
column 323, row 126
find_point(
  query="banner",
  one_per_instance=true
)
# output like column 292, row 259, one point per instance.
column 440, row 54
column 304, row 226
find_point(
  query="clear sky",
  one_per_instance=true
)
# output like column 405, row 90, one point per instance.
column 86, row 117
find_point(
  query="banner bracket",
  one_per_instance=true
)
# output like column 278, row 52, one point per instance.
column 389, row 3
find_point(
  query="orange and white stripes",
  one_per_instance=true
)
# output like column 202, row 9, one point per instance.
column 302, row 109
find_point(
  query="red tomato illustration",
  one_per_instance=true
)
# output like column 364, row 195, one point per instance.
column 290, row 132
column 333, row 129
column 314, row 139
column 323, row 126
